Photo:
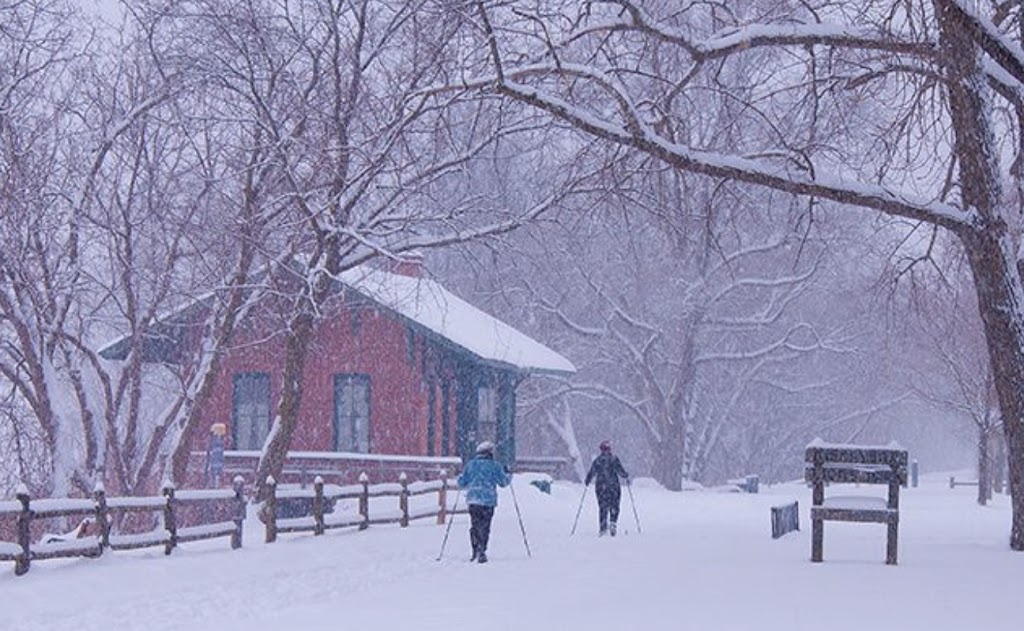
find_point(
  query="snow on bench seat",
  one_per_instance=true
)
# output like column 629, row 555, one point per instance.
column 855, row 508
column 856, row 502
column 8, row 507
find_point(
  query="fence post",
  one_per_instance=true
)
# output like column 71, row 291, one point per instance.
column 364, row 501
column 403, row 499
column 21, row 564
column 442, row 498
column 318, row 506
column 169, row 524
column 952, row 482
column 913, row 474
column 270, row 510
column 99, row 495
column 238, row 484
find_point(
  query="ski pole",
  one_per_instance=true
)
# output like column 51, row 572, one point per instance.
column 451, row 520
column 578, row 511
column 632, row 502
column 520, row 517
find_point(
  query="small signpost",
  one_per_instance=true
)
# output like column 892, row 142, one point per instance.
column 215, row 455
column 785, row 518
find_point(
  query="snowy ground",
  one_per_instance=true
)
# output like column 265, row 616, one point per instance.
column 704, row 561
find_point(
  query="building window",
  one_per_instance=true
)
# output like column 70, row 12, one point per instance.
column 487, row 410
column 250, row 410
column 352, row 413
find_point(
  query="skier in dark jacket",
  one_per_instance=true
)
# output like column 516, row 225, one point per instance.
column 481, row 477
column 605, row 472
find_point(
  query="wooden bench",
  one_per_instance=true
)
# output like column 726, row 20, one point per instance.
column 855, row 464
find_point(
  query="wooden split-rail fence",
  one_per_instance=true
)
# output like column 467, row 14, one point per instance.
column 101, row 512
column 321, row 496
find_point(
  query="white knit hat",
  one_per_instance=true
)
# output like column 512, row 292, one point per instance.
column 485, row 447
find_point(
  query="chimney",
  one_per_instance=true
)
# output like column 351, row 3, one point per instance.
column 408, row 264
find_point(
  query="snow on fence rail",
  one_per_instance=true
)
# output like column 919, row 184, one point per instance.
column 321, row 497
column 100, row 510
column 172, row 504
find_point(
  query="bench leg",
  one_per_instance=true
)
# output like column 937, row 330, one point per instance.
column 817, row 540
column 890, row 544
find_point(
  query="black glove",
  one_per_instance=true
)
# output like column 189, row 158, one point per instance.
column 507, row 470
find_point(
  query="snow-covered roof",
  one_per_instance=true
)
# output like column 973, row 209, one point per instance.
column 428, row 304
column 420, row 301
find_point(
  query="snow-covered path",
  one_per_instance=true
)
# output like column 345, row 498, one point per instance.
column 704, row 561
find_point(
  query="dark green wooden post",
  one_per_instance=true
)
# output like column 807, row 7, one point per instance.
column 467, row 410
column 506, row 420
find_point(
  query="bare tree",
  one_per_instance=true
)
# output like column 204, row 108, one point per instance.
column 340, row 104
column 956, row 375
column 905, row 90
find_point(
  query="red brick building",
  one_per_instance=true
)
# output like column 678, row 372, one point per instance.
column 400, row 371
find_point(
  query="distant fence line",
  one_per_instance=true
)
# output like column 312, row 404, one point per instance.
column 172, row 507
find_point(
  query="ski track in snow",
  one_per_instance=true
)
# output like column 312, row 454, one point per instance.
column 704, row 560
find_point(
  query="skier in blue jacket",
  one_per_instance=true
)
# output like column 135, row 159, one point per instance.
column 481, row 477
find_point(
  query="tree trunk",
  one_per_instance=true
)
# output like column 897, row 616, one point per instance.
column 984, row 466
column 999, row 290
column 998, row 463
column 275, row 451
column 989, row 246
column 668, row 457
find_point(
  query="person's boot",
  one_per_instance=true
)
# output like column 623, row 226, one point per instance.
column 611, row 529
column 481, row 557
column 475, row 555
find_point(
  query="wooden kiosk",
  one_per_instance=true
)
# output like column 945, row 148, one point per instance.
column 855, row 464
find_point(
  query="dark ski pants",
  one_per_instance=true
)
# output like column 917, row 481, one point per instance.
column 607, row 505
column 480, row 527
